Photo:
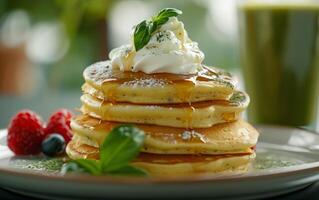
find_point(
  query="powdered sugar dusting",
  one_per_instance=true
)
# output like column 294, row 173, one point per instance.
column 99, row 72
column 146, row 83
column 190, row 135
column 152, row 107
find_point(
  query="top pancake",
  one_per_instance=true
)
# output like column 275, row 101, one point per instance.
column 102, row 81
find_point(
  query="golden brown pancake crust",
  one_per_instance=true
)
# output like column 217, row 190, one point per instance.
column 137, row 87
column 158, row 165
column 234, row 137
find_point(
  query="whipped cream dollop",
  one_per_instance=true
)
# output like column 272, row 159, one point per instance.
column 169, row 50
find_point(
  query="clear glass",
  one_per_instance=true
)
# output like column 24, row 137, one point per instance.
column 279, row 50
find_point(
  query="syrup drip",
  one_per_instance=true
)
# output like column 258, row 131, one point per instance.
column 128, row 60
column 110, row 95
column 104, row 73
column 184, row 84
column 190, row 113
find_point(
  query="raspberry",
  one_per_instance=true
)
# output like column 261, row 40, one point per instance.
column 25, row 133
column 59, row 122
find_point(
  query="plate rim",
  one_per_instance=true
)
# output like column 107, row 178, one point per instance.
column 192, row 179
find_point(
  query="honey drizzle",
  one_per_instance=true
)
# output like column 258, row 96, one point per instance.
column 190, row 114
column 184, row 88
column 128, row 60
column 103, row 73
column 110, row 95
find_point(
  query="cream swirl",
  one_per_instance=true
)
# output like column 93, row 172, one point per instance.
column 169, row 51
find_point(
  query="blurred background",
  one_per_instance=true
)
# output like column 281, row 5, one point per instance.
column 46, row 44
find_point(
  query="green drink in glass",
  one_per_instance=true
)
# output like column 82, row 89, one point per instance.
column 280, row 61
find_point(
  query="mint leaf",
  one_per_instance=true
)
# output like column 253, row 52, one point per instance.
column 144, row 30
column 91, row 166
column 169, row 12
column 161, row 21
column 141, row 35
column 128, row 170
column 120, row 147
column 152, row 27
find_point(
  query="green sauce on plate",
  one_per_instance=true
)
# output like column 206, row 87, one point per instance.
column 272, row 161
column 37, row 164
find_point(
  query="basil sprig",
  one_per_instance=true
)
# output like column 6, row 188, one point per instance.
column 120, row 147
column 144, row 30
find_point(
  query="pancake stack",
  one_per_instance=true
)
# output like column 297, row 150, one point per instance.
column 192, row 122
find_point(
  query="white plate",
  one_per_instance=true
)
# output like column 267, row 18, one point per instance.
column 287, row 160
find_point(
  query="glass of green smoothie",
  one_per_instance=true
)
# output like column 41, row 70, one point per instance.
column 279, row 50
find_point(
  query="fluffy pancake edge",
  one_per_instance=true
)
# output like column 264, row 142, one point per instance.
column 234, row 137
column 231, row 163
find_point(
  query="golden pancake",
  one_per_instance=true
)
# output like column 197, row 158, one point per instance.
column 136, row 87
column 194, row 115
column 226, row 138
column 159, row 165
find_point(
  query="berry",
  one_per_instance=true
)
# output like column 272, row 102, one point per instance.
column 53, row 145
column 25, row 133
column 59, row 122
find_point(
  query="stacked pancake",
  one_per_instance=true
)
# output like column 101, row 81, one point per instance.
column 190, row 112
column 192, row 122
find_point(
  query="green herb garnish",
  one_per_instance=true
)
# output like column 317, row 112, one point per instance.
column 144, row 30
column 237, row 98
column 120, row 147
